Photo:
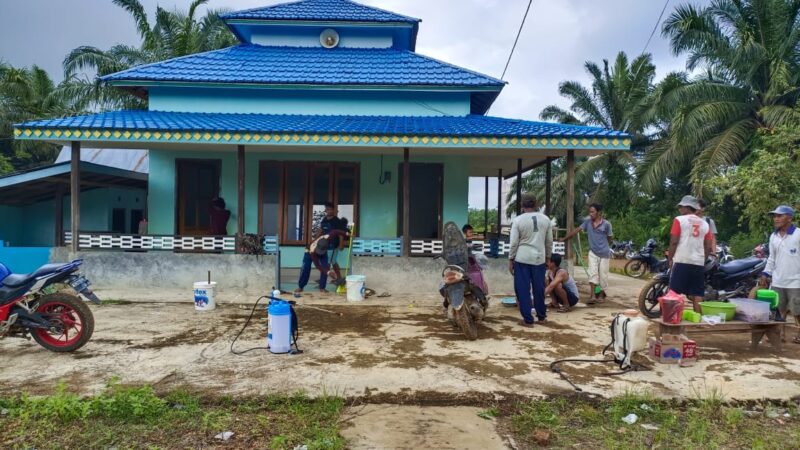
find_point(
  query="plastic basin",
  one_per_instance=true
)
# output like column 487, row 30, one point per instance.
column 716, row 308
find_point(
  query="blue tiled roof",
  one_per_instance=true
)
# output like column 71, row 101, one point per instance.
column 471, row 125
column 248, row 63
column 320, row 10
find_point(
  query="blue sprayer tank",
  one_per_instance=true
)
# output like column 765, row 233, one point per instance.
column 279, row 331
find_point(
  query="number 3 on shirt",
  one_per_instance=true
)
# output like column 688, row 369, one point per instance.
column 696, row 230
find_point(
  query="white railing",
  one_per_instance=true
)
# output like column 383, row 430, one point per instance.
column 434, row 247
column 114, row 241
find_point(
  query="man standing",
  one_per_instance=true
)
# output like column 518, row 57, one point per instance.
column 600, row 232
column 328, row 224
column 531, row 246
column 783, row 264
column 689, row 246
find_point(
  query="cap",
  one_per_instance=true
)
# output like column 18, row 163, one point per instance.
column 783, row 210
column 689, row 201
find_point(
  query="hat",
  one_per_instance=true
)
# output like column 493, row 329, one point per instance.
column 783, row 210
column 689, row 201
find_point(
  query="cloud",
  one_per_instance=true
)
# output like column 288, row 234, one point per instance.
column 559, row 36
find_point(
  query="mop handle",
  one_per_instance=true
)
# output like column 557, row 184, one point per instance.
column 350, row 249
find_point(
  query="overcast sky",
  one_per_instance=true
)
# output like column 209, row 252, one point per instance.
column 559, row 36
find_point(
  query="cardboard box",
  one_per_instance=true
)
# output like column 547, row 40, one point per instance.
column 673, row 349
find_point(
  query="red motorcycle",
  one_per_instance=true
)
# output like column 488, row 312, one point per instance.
column 38, row 305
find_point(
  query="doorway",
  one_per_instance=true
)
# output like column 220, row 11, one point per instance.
column 425, row 200
column 198, row 184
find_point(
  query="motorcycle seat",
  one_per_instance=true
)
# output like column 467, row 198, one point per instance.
column 19, row 279
column 739, row 265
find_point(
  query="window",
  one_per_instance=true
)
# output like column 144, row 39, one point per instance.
column 292, row 197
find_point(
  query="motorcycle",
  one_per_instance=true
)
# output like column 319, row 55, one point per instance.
column 463, row 286
column 761, row 251
column 620, row 249
column 724, row 254
column 722, row 282
column 644, row 261
column 37, row 305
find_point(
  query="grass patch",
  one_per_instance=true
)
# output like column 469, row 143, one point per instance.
column 706, row 422
column 135, row 417
column 114, row 302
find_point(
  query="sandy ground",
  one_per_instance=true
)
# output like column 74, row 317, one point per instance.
column 413, row 427
column 384, row 347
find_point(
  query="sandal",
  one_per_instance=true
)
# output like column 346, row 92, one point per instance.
column 796, row 340
column 563, row 310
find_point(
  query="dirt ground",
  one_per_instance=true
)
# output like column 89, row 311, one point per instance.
column 385, row 347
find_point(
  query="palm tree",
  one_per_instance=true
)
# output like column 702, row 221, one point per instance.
column 174, row 34
column 617, row 99
column 27, row 94
column 747, row 54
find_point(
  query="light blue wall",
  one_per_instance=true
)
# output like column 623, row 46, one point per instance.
column 378, row 210
column 308, row 36
column 34, row 225
column 275, row 101
column 11, row 224
column 24, row 259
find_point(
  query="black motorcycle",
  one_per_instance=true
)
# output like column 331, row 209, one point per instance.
column 723, row 282
column 645, row 261
column 622, row 249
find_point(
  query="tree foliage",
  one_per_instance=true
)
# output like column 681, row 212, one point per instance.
column 173, row 34
column 747, row 54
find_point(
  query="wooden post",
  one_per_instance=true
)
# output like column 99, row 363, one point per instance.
column 519, row 186
column 58, row 204
column 499, row 200
column 406, row 206
column 570, row 200
column 485, row 206
column 240, row 209
column 548, row 188
column 75, row 195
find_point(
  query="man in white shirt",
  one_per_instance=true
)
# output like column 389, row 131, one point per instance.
column 531, row 246
column 783, row 264
column 689, row 247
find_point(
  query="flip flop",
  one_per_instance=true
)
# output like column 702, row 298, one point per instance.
column 564, row 310
column 384, row 295
column 525, row 324
column 796, row 340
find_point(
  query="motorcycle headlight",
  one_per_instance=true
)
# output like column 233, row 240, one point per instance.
column 452, row 276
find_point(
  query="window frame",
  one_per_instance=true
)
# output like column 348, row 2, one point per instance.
column 310, row 166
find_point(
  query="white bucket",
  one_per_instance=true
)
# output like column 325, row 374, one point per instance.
column 355, row 287
column 204, row 296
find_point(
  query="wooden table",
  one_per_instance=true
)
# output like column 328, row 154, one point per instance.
column 773, row 330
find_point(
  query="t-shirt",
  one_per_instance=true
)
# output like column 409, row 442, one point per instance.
column 692, row 232
column 598, row 237
column 328, row 225
column 531, row 239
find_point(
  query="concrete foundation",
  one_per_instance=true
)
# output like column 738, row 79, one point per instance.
column 166, row 270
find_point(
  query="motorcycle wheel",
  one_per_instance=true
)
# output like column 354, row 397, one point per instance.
column 630, row 254
column 635, row 268
column 648, row 297
column 466, row 323
column 73, row 323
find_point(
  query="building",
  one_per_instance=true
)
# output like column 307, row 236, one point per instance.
column 322, row 100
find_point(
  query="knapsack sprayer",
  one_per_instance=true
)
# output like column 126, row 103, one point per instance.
column 282, row 326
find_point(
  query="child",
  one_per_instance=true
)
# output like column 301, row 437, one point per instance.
column 317, row 254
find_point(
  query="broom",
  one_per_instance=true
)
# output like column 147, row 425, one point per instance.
column 342, row 289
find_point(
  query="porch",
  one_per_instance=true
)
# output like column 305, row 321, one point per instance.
column 397, row 179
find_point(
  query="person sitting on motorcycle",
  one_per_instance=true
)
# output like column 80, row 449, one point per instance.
column 561, row 287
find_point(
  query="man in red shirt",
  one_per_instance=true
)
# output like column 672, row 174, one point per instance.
column 689, row 247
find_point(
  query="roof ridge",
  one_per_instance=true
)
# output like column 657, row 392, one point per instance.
column 236, row 14
column 380, row 9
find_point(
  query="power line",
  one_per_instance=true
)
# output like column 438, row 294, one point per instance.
column 522, row 25
column 655, row 27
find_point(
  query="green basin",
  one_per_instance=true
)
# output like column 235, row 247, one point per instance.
column 715, row 308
